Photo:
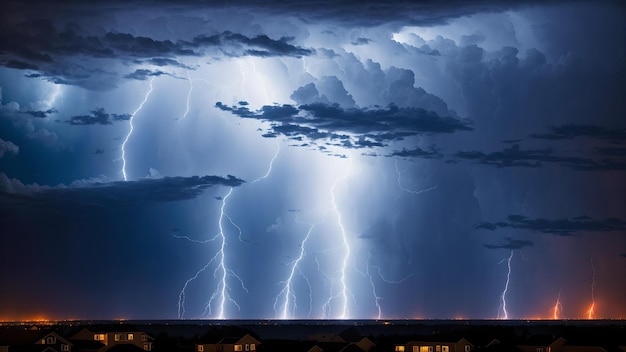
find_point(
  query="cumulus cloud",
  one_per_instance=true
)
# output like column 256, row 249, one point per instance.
column 8, row 147
column 560, row 227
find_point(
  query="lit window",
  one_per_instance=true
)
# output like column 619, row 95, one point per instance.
column 238, row 348
column 146, row 347
column 98, row 337
column 445, row 349
column 65, row 347
column 438, row 348
column 50, row 340
column 416, row 349
column 399, row 348
column 467, row 348
column 200, row 348
column 144, row 337
column 539, row 349
column 426, row 349
column 247, row 347
column 252, row 347
column 130, row 337
column 117, row 337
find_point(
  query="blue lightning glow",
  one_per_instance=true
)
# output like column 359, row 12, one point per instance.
column 287, row 290
column 269, row 169
column 188, row 96
column 130, row 132
column 502, row 308
column 406, row 189
column 221, row 293
column 344, row 291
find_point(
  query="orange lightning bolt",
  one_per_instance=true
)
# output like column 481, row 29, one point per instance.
column 590, row 313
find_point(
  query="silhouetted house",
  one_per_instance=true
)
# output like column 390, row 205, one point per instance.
column 112, row 336
column 348, row 337
column 33, row 340
column 230, row 344
column 540, row 343
column 461, row 345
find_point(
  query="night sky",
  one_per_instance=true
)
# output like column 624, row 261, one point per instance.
column 313, row 159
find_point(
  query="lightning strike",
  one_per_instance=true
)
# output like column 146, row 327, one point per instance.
column 188, row 96
column 269, row 169
column 287, row 290
column 344, row 290
column 221, row 293
column 590, row 312
column 400, row 172
column 130, row 132
column 557, row 310
column 502, row 308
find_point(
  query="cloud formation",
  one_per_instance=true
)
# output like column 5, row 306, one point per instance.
column 560, row 227
column 510, row 243
column 372, row 126
column 94, row 192
column 8, row 147
column 97, row 117
column 514, row 156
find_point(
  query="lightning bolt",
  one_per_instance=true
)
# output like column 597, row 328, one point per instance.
column 558, row 307
column 188, row 96
column 502, row 308
column 130, row 131
column 287, row 290
column 368, row 274
column 590, row 312
column 400, row 172
column 181, row 294
column 344, row 291
column 221, row 293
column 269, row 169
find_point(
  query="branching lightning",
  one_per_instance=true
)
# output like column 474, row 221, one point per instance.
column 400, row 172
column 287, row 290
column 130, row 132
column 222, row 291
column 368, row 274
column 502, row 312
column 590, row 312
column 344, row 291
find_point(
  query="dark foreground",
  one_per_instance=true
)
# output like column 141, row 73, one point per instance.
column 315, row 335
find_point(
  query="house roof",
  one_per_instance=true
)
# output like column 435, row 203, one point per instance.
column 125, row 347
column 23, row 337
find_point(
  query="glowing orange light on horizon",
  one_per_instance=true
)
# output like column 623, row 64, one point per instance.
column 590, row 312
column 557, row 310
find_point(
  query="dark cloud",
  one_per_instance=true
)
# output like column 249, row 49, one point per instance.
column 161, row 61
column 8, row 147
column 516, row 157
column 433, row 153
column 372, row 126
column 97, row 117
column 42, row 114
column 260, row 45
column 570, row 131
column 143, row 74
column 510, row 243
column 164, row 189
column 560, row 227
